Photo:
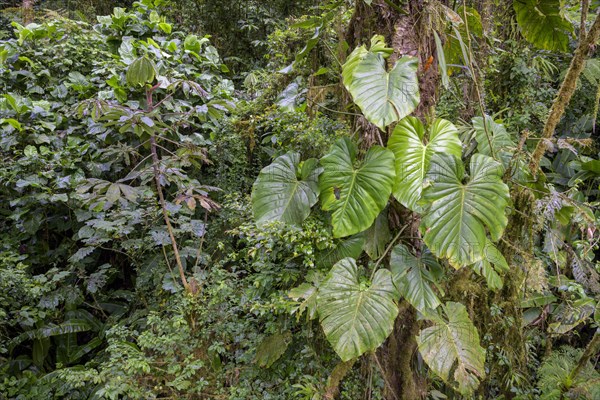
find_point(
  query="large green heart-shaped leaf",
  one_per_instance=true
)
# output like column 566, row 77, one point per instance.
column 384, row 97
column 455, row 224
column 356, row 316
column 453, row 345
column 285, row 190
column 413, row 150
column 542, row 24
column 354, row 191
column 346, row 247
column 413, row 279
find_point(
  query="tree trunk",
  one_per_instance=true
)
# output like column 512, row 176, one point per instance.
column 27, row 7
column 408, row 33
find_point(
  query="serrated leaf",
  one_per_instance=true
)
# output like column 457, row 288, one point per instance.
column 413, row 279
column 461, row 210
column 413, row 148
column 542, row 24
column 356, row 316
column 452, row 344
column 286, row 191
column 383, row 97
column 355, row 192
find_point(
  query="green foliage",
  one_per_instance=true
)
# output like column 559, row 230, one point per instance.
column 414, row 277
column 460, row 211
column 414, row 149
column 355, row 191
column 384, row 97
column 542, row 23
column 452, row 345
column 286, row 190
column 356, row 315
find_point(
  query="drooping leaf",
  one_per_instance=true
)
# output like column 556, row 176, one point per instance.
column 542, row 24
column 272, row 348
column 461, row 210
column 491, row 273
column 285, row 190
column 452, row 344
column 413, row 279
column 140, row 72
column 346, row 247
column 413, row 149
column 308, row 293
column 498, row 136
column 357, row 316
column 384, row 97
column 377, row 236
column 355, row 192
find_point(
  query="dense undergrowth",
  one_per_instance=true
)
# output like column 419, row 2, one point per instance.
column 137, row 260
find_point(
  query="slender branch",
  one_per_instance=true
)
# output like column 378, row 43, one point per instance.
column 475, row 81
column 387, row 250
column 585, row 6
column 567, row 88
column 161, row 198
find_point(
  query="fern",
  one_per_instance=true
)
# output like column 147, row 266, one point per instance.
column 554, row 376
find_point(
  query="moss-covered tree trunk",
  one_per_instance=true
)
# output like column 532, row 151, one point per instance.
column 409, row 32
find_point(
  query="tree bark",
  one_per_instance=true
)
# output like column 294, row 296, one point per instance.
column 27, row 7
column 567, row 88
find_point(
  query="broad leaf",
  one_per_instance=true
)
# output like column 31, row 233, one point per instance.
column 285, row 190
column 542, row 24
column 377, row 236
column 354, row 191
column 272, row 348
column 413, row 149
column 140, row 72
column 346, row 247
column 496, row 135
column 452, row 345
column 413, row 279
column 357, row 316
column 461, row 210
column 384, row 97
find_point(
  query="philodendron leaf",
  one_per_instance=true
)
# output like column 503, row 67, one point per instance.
column 384, row 97
column 140, row 72
column 483, row 267
column 357, row 316
column 496, row 135
column 461, row 210
column 452, row 345
column 542, row 24
column 355, row 192
column 346, row 247
column 413, row 149
column 413, row 279
column 285, row 190
column 377, row 236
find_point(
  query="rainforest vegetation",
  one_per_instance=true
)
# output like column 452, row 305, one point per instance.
column 312, row 199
